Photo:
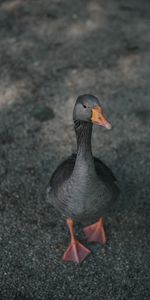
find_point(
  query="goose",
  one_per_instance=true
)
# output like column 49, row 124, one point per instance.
column 83, row 188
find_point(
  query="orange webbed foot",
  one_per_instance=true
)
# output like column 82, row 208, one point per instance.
column 75, row 252
column 95, row 232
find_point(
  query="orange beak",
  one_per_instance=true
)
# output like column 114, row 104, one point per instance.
column 99, row 119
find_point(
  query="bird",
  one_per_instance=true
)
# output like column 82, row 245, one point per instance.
column 83, row 188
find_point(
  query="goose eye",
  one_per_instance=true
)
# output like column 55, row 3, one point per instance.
column 84, row 106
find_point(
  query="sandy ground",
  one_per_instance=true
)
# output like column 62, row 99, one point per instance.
column 50, row 52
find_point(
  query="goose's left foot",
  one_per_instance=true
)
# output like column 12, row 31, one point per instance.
column 95, row 232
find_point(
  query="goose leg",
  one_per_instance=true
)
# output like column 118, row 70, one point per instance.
column 95, row 232
column 75, row 252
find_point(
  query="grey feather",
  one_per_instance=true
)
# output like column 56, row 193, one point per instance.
column 82, row 187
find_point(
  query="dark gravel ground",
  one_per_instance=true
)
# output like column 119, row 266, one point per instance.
column 50, row 52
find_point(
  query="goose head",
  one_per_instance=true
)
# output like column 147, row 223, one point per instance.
column 88, row 109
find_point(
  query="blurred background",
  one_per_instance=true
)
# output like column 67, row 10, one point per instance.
column 51, row 51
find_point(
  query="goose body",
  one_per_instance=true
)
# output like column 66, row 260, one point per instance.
column 83, row 188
